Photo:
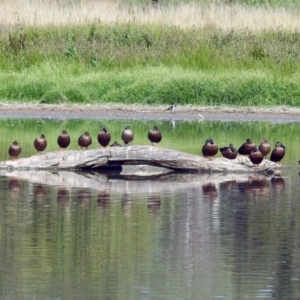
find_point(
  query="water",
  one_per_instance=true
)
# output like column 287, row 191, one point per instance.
column 184, row 236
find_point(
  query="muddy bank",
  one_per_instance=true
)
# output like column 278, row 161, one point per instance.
column 147, row 112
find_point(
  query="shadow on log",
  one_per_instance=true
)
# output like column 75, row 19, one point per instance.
column 138, row 161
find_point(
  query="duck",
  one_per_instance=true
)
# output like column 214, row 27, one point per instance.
column 210, row 148
column 14, row 150
column 85, row 140
column 127, row 135
column 40, row 143
column 171, row 108
column 63, row 140
column 103, row 137
column 246, row 148
column 278, row 152
column 256, row 156
column 264, row 147
column 154, row 135
column 115, row 144
column 229, row 152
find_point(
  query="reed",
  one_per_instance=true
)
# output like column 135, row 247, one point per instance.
column 263, row 15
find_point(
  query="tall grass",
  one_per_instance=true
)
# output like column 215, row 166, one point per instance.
column 140, row 60
column 182, row 14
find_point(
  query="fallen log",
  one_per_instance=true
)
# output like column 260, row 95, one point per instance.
column 153, row 160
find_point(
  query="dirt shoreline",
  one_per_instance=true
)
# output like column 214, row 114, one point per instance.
column 147, row 112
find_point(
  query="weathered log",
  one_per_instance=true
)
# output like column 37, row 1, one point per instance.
column 163, row 161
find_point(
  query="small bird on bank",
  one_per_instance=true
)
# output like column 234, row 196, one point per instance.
column 85, row 140
column 229, row 152
column 171, row 108
column 127, row 135
column 154, row 135
column 103, row 137
column 210, row 148
column 40, row 143
column 246, row 148
column 264, row 147
column 14, row 150
column 63, row 140
column 256, row 156
column 278, row 152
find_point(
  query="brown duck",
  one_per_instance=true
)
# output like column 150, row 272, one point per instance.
column 154, row 135
column 229, row 152
column 264, row 147
column 256, row 156
column 40, row 143
column 246, row 148
column 278, row 152
column 14, row 150
column 63, row 140
column 84, row 140
column 127, row 135
column 210, row 148
column 103, row 137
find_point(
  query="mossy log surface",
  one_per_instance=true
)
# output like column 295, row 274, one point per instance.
column 137, row 160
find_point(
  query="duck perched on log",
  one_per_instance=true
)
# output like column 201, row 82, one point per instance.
column 278, row 152
column 127, row 135
column 256, row 156
column 40, row 143
column 85, row 140
column 246, row 148
column 154, row 135
column 264, row 147
column 103, row 137
column 14, row 150
column 229, row 152
column 63, row 140
column 210, row 148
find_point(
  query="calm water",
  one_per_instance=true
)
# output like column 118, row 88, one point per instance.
column 90, row 236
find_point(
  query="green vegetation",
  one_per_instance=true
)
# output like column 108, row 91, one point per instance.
column 153, row 64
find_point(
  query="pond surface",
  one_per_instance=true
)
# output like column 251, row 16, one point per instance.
column 184, row 236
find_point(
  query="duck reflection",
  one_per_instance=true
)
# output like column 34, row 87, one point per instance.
column 39, row 193
column 209, row 191
column 126, row 205
column 103, row 200
column 63, row 196
column 84, row 195
column 14, row 187
column 154, row 203
column 278, row 184
column 257, row 186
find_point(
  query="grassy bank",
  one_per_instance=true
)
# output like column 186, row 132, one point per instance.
column 130, row 62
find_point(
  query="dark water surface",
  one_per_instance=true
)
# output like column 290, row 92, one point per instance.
column 91, row 236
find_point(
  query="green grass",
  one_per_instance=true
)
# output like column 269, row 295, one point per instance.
column 152, row 64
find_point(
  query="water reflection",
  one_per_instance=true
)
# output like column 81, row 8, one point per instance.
column 40, row 193
column 103, row 200
column 278, row 184
column 63, row 196
column 14, row 187
column 209, row 191
column 154, row 203
column 202, row 236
